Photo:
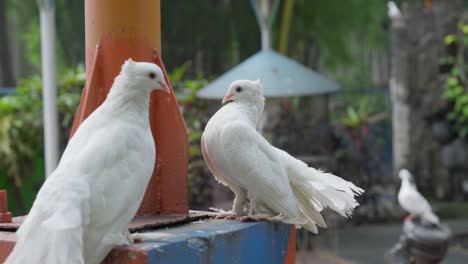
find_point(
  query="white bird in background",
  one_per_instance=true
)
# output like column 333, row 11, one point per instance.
column 276, row 185
column 84, row 207
column 393, row 10
column 412, row 201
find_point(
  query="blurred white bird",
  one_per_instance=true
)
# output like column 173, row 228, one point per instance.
column 277, row 185
column 84, row 207
column 393, row 10
column 412, row 201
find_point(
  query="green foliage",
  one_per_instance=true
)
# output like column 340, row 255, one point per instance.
column 195, row 115
column 338, row 27
column 24, row 15
column 354, row 118
column 21, row 121
column 450, row 210
column 456, row 84
column 216, row 33
column 357, row 108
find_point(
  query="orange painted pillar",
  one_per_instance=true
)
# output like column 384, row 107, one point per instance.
column 115, row 31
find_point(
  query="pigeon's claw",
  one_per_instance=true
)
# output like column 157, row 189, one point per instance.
column 247, row 219
column 411, row 217
column 227, row 216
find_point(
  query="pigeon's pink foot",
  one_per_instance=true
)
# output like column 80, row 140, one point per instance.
column 225, row 216
column 410, row 217
column 246, row 219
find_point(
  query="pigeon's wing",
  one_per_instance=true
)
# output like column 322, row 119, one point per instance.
column 256, row 164
column 53, row 229
column 97, row 163
column 413, row 202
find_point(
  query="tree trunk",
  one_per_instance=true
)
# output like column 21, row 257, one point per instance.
column 5, row 60
column 417, row 44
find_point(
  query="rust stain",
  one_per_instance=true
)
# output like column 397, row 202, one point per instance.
column 6, row 246
column 291, row 254
column 5, row 216
column 126, row 255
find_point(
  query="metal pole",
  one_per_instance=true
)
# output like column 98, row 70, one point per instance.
column 115, row 31
column 49, row 83
column 265, row 27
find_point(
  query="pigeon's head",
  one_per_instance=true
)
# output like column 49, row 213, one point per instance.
column 244, row 91
column 405, row 175
column 144, row 75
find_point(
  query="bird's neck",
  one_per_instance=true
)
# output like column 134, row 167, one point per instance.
column 126, row 98
column 407, row 183
column 252, row 111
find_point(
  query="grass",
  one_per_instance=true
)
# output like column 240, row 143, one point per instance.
column 451, row 209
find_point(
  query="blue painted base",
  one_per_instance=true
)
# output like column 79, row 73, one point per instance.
column 219, row 241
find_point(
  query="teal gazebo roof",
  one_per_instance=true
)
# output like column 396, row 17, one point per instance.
column 280, row 76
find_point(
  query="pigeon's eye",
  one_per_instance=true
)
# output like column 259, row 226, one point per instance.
column 152, row 75
column 238, row 89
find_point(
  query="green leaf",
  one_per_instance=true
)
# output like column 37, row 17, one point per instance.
column 452, row 81
column 465, row 111
column 449, row 39
column 176, row 75
column 455, row 71
column 447, row 60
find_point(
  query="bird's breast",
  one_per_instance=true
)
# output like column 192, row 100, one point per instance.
column 215, row 154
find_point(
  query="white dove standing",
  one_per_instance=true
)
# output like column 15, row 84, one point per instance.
column 393, row 11
column 84, row 207
column 276, row 184
column 412, row 201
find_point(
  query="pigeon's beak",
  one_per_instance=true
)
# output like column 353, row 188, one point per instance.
column 227, row 98
column 164, row 87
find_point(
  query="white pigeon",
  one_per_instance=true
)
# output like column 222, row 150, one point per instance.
column 412, row 201
column 84, row 207
column 276, row 185
column 393, row 11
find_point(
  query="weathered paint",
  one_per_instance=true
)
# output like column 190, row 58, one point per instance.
column 5, row 215
column 115, row 31
column 291, row 255
column 203, row 241
column 7, row 242
column 212, row 241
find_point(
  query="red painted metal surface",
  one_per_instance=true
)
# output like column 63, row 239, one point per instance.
column 291, row 254
column 5, row 216
column 126, row 255
column 130, row 29
column 7, row 242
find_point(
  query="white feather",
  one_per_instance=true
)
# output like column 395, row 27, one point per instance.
column 277, row 185
column 83, row 209
column 412, row 201
column 393, row 11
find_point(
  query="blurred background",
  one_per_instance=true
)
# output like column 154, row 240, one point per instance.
column 402, row 103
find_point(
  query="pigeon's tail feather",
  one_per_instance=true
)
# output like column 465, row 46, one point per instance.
column 40, row 245
column 430, row 217
column 325, row 190
column 53, row 236
column 308, row 207
column 316, row 190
